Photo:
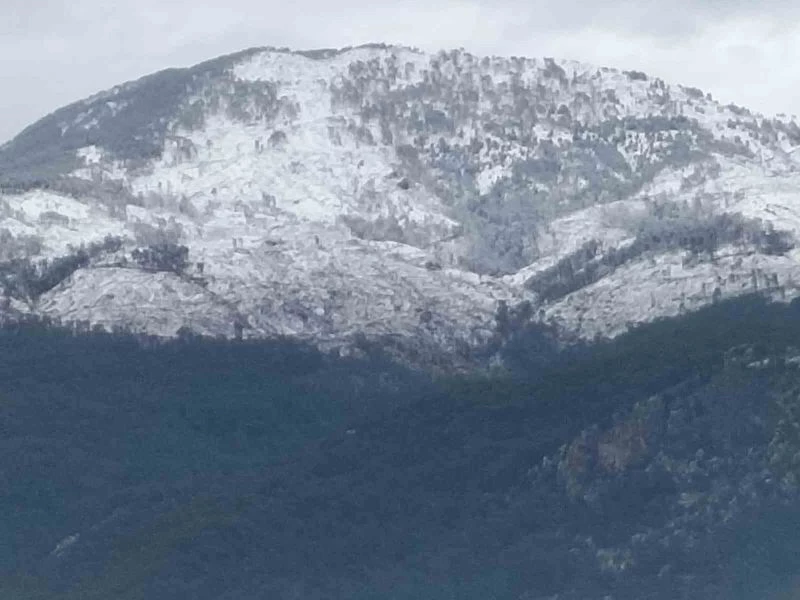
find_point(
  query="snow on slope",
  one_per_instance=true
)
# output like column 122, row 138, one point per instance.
column 325, row 221
column 60, row 221
column 667, row 286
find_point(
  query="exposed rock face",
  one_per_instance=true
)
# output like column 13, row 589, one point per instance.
column 315, row 191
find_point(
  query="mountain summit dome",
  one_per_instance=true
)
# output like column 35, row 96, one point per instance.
column 385, row 192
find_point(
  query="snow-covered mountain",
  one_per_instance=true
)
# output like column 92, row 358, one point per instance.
column 384, row 192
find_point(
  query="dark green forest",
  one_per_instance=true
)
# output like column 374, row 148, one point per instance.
column 219, row 469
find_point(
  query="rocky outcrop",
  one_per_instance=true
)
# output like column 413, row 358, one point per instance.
column 668, row 486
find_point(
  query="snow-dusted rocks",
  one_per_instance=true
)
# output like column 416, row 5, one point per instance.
column 381, row 191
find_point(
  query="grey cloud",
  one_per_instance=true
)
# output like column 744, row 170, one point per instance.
column 650, row 16
column 21, row 17
column 672, row 19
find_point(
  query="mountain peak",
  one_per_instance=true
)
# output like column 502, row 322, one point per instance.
column 384, row 191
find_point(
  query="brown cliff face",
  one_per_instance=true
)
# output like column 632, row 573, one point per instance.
column 632, row 441
column 629, row 443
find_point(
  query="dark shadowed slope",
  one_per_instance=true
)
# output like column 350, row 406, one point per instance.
column 660, row 465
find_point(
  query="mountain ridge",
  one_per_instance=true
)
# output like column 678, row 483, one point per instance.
column 381, row 190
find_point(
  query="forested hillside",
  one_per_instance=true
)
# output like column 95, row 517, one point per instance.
column 661, row 465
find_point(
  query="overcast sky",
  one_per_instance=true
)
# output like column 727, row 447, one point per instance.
column 53, row 52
